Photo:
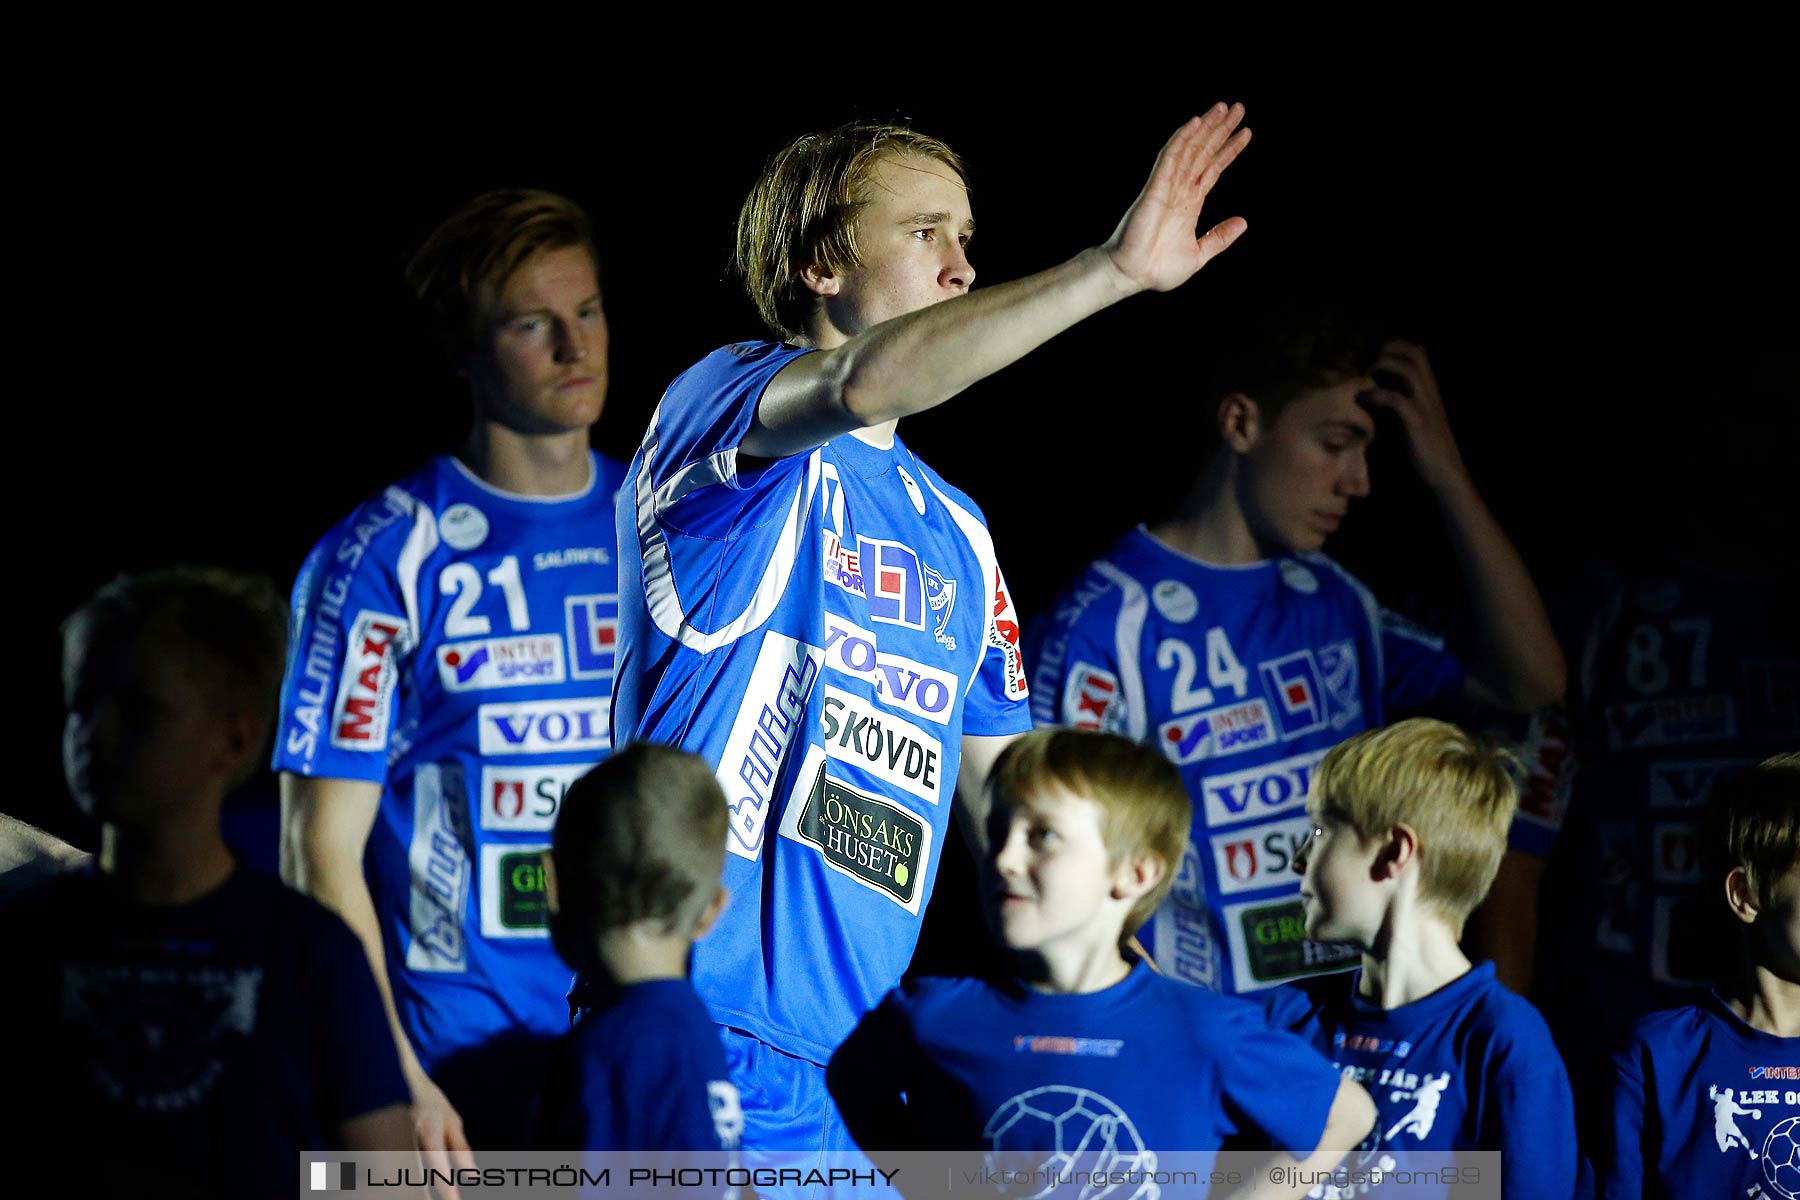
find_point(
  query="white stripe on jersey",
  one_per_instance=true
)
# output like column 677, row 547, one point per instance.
column 1128, row 632
column 660, row 595
column 982, row 542
column 419, row 544
column 1370, row 608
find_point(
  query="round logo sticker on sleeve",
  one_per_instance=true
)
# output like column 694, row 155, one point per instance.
column 463, row 526
column 1175, row 600
column 1299, row 577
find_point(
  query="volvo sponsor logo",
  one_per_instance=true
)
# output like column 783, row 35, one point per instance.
column 1260, row 791
column 500, row 662
column 545, row 726
column 922, row 690
column 1262, row 857
column 772, row 712
column 366, row 684
column 525, row 798
column 894, row 751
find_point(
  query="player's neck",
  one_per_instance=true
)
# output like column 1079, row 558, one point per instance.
column 1074, row 970
column 826, row 336
column 176, row 862
column 1768, row 1003
column 528, row 464
column 635, row 955
column 1414, row 955
column 1210, row 524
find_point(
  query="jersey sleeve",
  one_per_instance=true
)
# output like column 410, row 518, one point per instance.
column 692, row 448
column 1273, row 1082
column 998, row 699
column 1076, row 677
column 871, row 1071
column 1530, row 1118
column 359, row 1066
column 351, row 638
column 1419, row 672
column 1618, row 1158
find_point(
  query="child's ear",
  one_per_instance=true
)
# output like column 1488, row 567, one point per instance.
column 1137, row 875
column 1240, row 422
column 241, row 742
column 710, row 914
column 820, row 280
column 1398, row 848
column 1740, row 897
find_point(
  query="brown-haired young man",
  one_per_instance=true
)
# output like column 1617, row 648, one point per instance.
column 451, row 666
column 1224, row 636
column 815, row 612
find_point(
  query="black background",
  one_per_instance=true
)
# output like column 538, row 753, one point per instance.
column 1592, row 246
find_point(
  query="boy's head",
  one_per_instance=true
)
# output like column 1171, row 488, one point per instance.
column 640, row 841
column 171, row 680
column 1085, row 836
column 1419, row 800
column 1753, row 847
column 512, row 285
column 1287, row 412
column 869, row 218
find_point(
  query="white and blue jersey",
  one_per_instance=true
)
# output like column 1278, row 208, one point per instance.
column 455, row 644
column 1244, row 676
column 1469, row 1067
column 823, row 629
column 1144, row 1068
column 1703, row 1105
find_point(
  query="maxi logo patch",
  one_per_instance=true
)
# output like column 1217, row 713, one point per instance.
column 514, row 903
column 1092, row 700
column 593, row 635
column 877, row 843
column 772, row 712
column 1003, row 635
column 1671, row 722
column 894, row 751
column 525, row 799
column 500, row 662
column 1269, row 945
column 1217, row 732
column 1296, row 693
column 1259, row 791
column 366, row 685
column 920, row 689
column 1262, row 857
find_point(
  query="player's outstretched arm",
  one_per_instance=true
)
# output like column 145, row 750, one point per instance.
column 325, row 826
column 917, row 361
column 1352, row 1115
column 1520, row 667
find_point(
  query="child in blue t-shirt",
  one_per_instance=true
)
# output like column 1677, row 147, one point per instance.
column 634, row 877
column 1409, row 824
column 1084, row 1045
column 1706, row 1098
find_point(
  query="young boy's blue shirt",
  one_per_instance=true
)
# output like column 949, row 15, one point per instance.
column 1703, row 1105
column 1008, row 1069
column 1471, row 1066
column 642, row 1070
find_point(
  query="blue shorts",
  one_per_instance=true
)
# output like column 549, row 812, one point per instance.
column 790, row 1119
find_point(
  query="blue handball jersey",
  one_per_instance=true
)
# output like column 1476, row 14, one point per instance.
column 1703, row 1105
column 1469, row 1067
column 1244, row 676
column 455, row 644
column 823, row 629
column 1144, row 1068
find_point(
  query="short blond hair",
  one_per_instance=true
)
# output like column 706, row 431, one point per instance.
column 1453, row 790
column 1143, row 805
column 803, row 212
column 462, row 268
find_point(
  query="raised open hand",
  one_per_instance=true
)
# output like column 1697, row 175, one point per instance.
column 1154, row 246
